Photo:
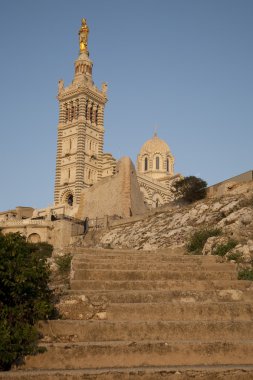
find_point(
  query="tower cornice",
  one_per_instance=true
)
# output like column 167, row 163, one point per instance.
column 94, row 93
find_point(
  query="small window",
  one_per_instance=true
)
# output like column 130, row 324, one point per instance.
column 146, row 164
column 70, row 200
column 157, row 163
column 167, row 165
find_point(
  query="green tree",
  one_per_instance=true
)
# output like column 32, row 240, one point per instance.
column 190, row 189
column 25, row 297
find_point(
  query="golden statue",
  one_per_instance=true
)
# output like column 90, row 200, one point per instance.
column 83, row 36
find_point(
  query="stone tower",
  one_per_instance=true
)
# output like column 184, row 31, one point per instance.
column 80, row 130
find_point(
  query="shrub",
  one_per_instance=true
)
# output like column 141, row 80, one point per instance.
column 64, row 263
column 235, row 256
column 245, row 274
column 190, row 189
column 222, row 249
column 43, row 249
column 199, row 238
column 24, row 298
column 247, row 202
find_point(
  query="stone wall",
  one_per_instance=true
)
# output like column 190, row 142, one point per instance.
column 41, row 228
column 117, row 195
column 229, row 185
column 58, row 233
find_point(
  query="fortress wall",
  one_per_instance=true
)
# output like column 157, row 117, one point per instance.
column 117, row 195
column 231, row 184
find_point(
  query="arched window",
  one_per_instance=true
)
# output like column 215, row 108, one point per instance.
column 167, row 165
column 70, row 200
column 96, row 116
column 71, row 111
column 77, row 109
column 34, row 238
column 91, row 112
column 146, row 164
column 66, row 112
column 157, row 163
column 86, row 110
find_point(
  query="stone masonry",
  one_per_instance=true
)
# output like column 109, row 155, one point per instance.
column 117, row 195
column 147, row 315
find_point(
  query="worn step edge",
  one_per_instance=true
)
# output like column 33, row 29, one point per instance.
column 229, row 372
column 149, row 258
column 164, row 296
column 154, row 266
column 82, row 274
column 199, row 311
column 93, row 330
column 102, row 285
column 116, row 354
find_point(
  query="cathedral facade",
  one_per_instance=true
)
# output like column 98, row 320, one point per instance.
column 81, row 161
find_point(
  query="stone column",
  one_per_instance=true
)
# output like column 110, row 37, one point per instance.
column 100, row 121
column 80, row 153
column 59, row 154
column 100, row 124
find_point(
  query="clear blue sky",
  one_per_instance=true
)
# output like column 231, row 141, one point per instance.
column 184, row 65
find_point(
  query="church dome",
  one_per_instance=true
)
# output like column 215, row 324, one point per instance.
column 155, row 145
column 155, row 159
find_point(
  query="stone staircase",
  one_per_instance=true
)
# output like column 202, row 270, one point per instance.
column 165, row 315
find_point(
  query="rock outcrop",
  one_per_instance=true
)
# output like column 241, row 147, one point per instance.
column 233, row 214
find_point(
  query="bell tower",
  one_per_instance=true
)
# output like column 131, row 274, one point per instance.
column 80, row 130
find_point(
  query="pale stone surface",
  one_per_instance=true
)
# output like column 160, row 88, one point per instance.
column 81, row 307
column 236, row 185
column 212, row 243
column 231, row 294
column 245, row 250
column 117, row 195
column 242, row 216
column 175, row 225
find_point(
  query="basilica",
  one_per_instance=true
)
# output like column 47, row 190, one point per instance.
column 81, row 161
column 92, row 189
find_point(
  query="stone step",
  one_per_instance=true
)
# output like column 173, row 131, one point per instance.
column 102, row 331
column 157, row 296
column 147, row 257
column 130, row 265
column 226, row 311
column 152, row 275
column 131, row 353
column 177, row 311
column 176, row 251
column 159, row 285
column 224, row 372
